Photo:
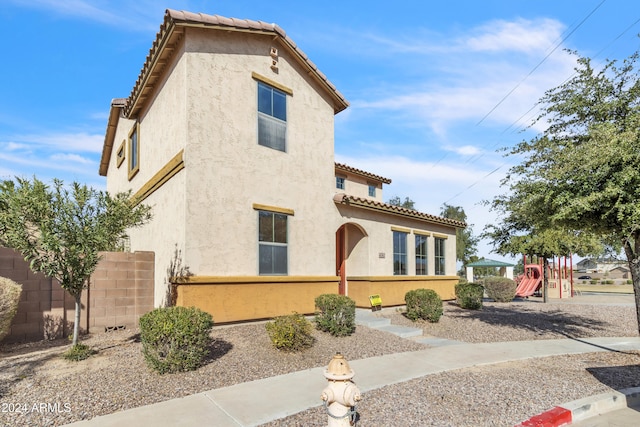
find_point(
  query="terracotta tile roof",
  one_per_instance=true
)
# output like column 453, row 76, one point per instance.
column 171, row 32
column 376, row 205
column 345, row 168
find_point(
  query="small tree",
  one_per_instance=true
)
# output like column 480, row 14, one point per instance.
column 466, row 242
column 407, row 203
column 60, row 230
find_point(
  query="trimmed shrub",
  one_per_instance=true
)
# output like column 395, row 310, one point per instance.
column 290, row 333
column 500, row 289
column 336, row 314
column 78, row 352
column 469, row 295
column 9, row 298
column 175, row 339
column 423, row 304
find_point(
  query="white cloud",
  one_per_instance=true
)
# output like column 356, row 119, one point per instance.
column 78, row 142
column 521, row 35
column 72, row 158
column 464, row 150
column 14, row 146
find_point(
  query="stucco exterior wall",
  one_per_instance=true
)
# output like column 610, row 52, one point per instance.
column 359, row 186
column 228, row 172
column 373, row 255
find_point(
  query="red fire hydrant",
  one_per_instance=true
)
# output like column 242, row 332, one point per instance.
column 341, row 394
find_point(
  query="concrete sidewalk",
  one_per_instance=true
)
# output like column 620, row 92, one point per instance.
column 229, row 406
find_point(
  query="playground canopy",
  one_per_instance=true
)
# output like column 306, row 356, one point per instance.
column 504, row 268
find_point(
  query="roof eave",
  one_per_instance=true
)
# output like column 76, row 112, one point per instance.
column 110, row 134
column 341, row 198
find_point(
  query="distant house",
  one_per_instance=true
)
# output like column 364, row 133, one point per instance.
column 599, row 265
column 229, row 134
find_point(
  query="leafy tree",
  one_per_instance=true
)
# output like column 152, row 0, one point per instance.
column 60, row 230
column 578, row 184
column 466, row 242
column 407, row 203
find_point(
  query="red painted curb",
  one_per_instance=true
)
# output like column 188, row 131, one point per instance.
column 555, row 417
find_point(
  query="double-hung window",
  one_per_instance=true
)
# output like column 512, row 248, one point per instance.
column 399, row 253
column 372, row 190
column 134, row 150
column 272, row 243
column 439, row 256
column 339, row 182
column 272, row 117
column 421, row 255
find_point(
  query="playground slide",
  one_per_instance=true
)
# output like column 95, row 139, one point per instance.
column 527, row 286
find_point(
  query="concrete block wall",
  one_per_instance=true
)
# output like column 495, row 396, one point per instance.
column 120, row 291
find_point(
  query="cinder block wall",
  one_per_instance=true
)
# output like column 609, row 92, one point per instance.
column 120, row 291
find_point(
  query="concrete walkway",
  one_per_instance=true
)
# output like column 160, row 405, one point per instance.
column 229, row 406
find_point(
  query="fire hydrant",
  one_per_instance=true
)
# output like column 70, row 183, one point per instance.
column 341, row 395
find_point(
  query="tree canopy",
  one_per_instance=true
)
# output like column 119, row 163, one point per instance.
column 60, row 231
column 406, row 203
column 578, row 184
column 466, row 242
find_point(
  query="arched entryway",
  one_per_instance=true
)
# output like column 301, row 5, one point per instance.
column 350, row 248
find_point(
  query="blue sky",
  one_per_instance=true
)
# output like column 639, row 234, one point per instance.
column 435, row 87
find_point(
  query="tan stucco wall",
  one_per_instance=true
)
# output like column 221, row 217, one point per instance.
column 392, row 289
column 373, row 255
column 230, row 299
column 228, row 172
column 356, row 185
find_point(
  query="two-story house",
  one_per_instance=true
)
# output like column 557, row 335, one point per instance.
column 228, row 134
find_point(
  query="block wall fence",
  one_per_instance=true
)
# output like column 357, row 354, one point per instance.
column 120, row 291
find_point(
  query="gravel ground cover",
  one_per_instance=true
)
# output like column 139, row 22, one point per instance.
column 116, row 378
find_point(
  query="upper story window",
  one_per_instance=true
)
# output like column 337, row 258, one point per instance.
column 372, row 190
column 272, row 243
column 439, row 256
column 340, row 182
column 134, row 150
column 272, row 117
column 399, row 253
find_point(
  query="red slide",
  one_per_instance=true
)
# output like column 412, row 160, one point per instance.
column 530, row 281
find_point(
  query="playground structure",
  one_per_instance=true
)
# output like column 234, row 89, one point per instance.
column 560, row 279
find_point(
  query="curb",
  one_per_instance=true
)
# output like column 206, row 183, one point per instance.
column 582, row 409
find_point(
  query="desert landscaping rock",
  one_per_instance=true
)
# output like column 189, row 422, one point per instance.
column 117, row 378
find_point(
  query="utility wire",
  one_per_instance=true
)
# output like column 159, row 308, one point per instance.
column 541, row 62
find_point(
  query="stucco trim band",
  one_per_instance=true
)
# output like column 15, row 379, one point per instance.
column 272, row 83
column 401, row 229
column 202, row 280
column 422, row 233
column 168, row 171
column 440, row 236
column 397, row 278
column 275, row 209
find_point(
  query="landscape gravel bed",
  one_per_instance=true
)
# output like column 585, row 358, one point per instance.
column 116, row 378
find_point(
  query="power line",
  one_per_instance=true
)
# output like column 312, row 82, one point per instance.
column 541, row 62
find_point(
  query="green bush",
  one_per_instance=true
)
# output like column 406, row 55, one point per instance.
column 500, row 289
column 629, row 282
column 469, row 295
column 423, row 304
column 593, row 281
column 78, row 352
column 9, row 298
column 175, row 339
column 290, row 333
column 335, row 314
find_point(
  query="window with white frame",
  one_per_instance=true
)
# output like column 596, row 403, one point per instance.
column 272, row 117
column 421, row 254
column 439, row 256
column 339, row 182
column 399, row 253
column 372, row 190
column 272, row 243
